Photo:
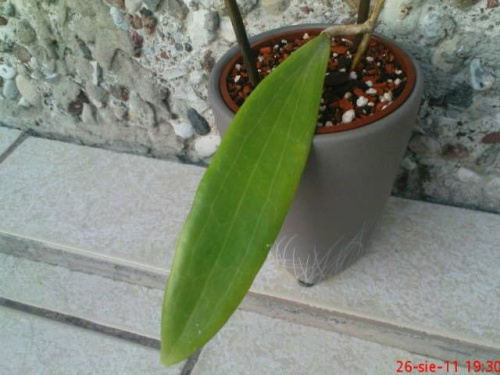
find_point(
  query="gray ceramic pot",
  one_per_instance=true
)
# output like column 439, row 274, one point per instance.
column 346, row 183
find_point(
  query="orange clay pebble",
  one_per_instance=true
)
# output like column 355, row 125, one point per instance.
column 358, row 92
column 389, row 68
column 265, row 50
column 341, row 50
column 345, row 105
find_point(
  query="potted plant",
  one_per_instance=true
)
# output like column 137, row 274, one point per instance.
column 339, row 120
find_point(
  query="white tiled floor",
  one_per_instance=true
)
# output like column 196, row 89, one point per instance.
column 32, row 345
column 430, row 267
column 254, row 344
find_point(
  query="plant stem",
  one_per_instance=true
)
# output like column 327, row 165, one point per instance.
column 241, row 36
column 364, row 28
column 366, row 38
column 363, row 13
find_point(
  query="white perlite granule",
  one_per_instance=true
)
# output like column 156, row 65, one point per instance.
column 348, row 116
column 362, row 101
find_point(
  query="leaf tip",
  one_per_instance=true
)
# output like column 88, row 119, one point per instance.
column 170, row 356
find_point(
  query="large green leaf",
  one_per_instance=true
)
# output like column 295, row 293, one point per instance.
column 242, row 201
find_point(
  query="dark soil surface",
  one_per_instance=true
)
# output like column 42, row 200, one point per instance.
column 347, row 96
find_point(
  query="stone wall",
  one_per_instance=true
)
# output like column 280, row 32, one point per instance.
column 131, row 75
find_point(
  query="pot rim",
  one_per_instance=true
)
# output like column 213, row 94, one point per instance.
column 233, row 55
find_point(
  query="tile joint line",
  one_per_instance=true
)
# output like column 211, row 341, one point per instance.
column 80, row 323
column 22, row 137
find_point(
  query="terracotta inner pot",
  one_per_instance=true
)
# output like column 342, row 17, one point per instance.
column 401, row 57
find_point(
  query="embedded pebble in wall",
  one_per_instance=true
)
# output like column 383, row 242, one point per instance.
column 183, row 128
column 152, row 4
column 119, row 19
column 117, row 3
column 133, row 6
column 245, row 6
column 97, row 95
column 467, row 175
column 436, row 26
column 226, row 30
column 141, row 112
column 25, row 33
column 275, row 6
column 119, row 109
column 201, row 27
column 422, row 144
column 23, row 103
column 7, row 72
column 29, row 91
column 88, row 114
column 408, row 164
column 480, row 78
column 97, row 72
column 7, row 9
column 207, row 145
column 200, row 124
column 65, row 93
column 10, row 90
column 3, row 21
column 490, row 157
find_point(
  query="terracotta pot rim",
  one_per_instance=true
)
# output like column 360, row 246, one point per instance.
column 401, row 56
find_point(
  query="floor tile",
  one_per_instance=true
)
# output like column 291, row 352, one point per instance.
column 34, row 345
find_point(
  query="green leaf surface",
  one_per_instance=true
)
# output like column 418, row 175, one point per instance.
column 242, row 201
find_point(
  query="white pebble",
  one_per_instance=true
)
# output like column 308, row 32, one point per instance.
column 348, row 116
column 398, row 72
column 371, row 91
column 238, row 67
column 388, row 96
column 353, row 75
column 7, row 72
column 322, row 108
column 277, row 46
column 207, row 145
column 261, row 58
column 371, row 104
column 319, row 124
column 362, row 101
column 397, row 82
column 347, row 95
column 369, row 83
column 306, row 36
column 237, row 79
column 342, row 70
column 284, row 41
column 369, row 58
column 329, row 123
column 335, row 54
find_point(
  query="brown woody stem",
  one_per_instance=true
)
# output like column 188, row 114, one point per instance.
column 364, row 28
column 241, row 36
column 363, row 13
